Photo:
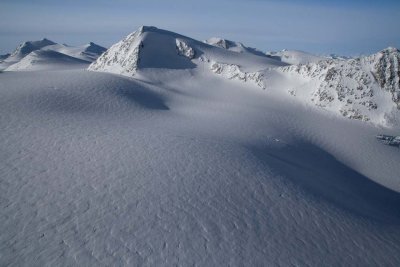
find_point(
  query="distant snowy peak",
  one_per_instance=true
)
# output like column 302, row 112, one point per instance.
column 94, row 48
column 47, row 59
column 46, row 54
column 295, row 57
column 28, row 47
column 92, row 51
column 226, row 44
column 233, row 46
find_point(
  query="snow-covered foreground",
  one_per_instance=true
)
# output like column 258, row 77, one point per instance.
column 184, row 167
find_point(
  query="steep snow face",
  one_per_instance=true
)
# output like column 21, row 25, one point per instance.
column 295, row 57
column 149, row 47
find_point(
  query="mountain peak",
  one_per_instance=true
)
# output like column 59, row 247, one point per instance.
column 144, row 28
column 390, row 49
column 147, row 47
column 29, row 46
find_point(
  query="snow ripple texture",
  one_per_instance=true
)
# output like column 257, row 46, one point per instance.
column 103, row 170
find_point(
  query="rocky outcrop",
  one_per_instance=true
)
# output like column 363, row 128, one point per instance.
column 351, row 85
column 233, row 72
column 387, row 72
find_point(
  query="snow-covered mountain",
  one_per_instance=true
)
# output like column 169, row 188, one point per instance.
column 150, row 47
column 27, row 47
column 46, row 59
column 46, row 54
column 197, row 156
column 364, row 88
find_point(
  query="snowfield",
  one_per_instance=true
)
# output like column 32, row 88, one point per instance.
column 177, row 165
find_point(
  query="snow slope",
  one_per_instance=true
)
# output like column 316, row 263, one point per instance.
column 188, row 162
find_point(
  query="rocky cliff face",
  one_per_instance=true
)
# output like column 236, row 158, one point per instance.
column 122, row 57
column 387, row 72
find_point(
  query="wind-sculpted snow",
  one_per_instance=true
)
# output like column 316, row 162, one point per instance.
column 187, row 168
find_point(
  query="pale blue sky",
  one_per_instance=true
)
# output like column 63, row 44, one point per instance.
column 343, row 27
